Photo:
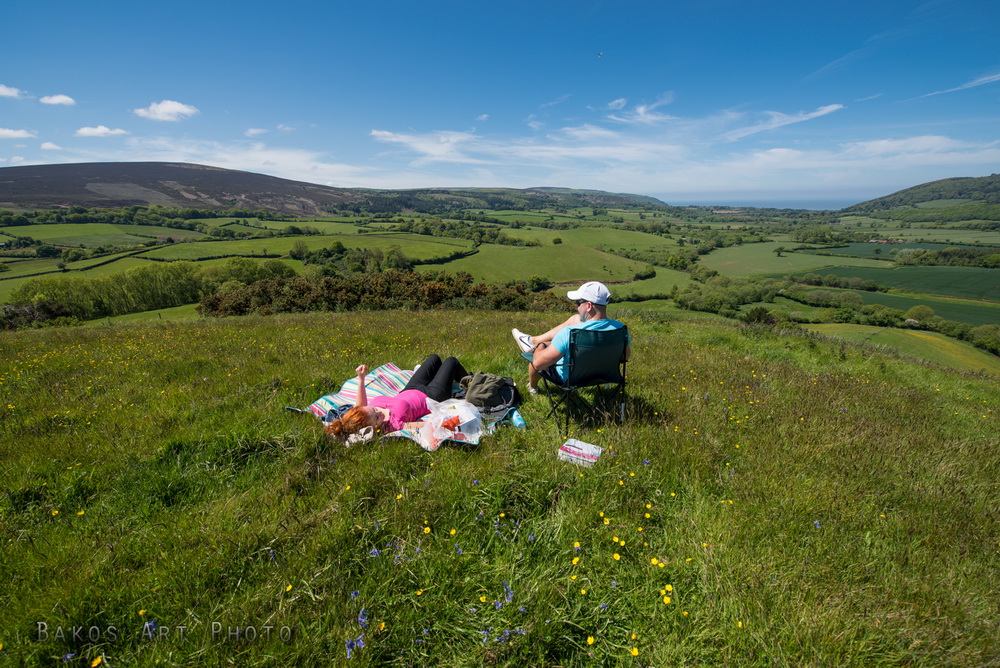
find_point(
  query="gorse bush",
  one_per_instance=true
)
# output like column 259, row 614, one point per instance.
column 157, row 286
column 376, row 291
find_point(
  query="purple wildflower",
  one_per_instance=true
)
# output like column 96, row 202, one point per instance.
column 363, row 618
column 357, row 643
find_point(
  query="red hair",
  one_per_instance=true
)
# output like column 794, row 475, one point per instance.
column 351, row 422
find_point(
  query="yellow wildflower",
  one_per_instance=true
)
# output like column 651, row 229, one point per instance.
column 590, row 640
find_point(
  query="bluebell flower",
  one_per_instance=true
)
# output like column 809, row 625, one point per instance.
column 458, row 550
column 816, row 523
column 363, row 618
column 270, row 553
column 68, row 657
column 523, row 610
column 509, row 592
column 531, row 537
column 645, row 462
column 475, row 482
column 497, row 605
column 374, row 553
column 357, row 643
column 604, row 606
column 354, row 594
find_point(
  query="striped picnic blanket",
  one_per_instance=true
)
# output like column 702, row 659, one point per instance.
column 385, row 381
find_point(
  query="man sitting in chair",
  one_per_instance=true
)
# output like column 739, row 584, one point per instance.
column 548, row 348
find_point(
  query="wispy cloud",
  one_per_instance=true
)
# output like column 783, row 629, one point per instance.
column 615, row 105
column 642, row 114
column 558, row 100
column 255, row 132
column 8, row 133
column 99, row 131
column 777, row 119
column 9, row 91
column 49, row 146
column 166, row 110
column 481, row 118
column 981, row 81
column 57, row 99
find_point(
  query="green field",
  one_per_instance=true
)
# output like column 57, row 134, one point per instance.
column 593, row 236
column 771, row 498
column 565, row 262
column 413, row 245
column 960, row 282
column 754, row 259
column 974, row 313
column 929, row 346
column 885, row 251
column 90, row 235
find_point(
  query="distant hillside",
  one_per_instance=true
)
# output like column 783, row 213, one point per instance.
column 600, row 196
column 978, row 188
column 121, row 184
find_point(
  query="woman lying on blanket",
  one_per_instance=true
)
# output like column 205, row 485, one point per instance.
column 433, row 379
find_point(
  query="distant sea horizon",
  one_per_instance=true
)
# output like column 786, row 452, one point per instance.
column 813, row 204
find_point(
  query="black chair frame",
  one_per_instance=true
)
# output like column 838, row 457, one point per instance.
column 596, row 359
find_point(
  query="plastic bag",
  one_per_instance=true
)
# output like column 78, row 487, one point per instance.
column 452, row 419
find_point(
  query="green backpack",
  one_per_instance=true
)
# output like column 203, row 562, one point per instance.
column 493, row 395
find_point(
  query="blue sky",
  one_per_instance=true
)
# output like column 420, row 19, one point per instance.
column 708, row 101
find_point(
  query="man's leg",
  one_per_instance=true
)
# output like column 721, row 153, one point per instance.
column 549, row 335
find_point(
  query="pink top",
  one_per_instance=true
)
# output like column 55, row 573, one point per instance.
column 407, row 406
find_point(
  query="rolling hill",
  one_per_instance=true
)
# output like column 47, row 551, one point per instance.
column 967, row 189
column 122, row 184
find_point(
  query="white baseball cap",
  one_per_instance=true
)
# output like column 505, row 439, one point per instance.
column 591, row 291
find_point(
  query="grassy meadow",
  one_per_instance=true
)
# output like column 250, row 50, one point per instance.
column 927, row 346
column 770, row 499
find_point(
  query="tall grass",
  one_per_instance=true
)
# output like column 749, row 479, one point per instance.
column 770, row 499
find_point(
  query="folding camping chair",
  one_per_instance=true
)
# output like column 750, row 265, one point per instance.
column 596, row 359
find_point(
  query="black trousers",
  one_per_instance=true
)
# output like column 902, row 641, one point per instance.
column 435, row 378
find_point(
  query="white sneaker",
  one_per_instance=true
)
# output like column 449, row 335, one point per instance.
column 523, row 340
column 532, row 390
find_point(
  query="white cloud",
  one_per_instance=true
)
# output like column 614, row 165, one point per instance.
column 166, row 110
column 57, row 99
column 558, row 100
column 483, row 117
column 991, row 78
column 615, row 105
column 285, row 128
column 99, row 131
column 298, row 164
column 17, row 158
column 255, row 132
column 777, row 119
column 643, row 114
column 8, row 133
column 49, row 146
column 8, row 91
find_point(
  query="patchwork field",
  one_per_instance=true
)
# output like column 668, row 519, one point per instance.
column 90, row 235
column 753, row 259
column 960, row 282
column 564, row 262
